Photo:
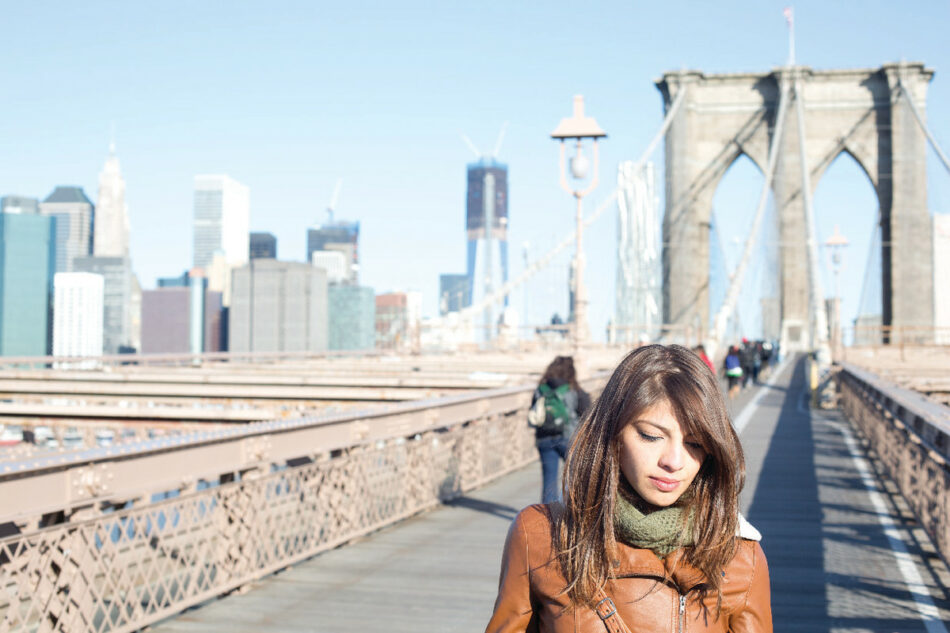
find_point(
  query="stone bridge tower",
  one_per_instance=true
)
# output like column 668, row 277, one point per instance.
column 861, row 112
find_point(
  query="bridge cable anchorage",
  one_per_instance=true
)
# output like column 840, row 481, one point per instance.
column 469, row 313
column 923, row 126
column 816, row 292
column 732, row 295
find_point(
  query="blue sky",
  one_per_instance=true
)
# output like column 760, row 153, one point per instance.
column 289, row 96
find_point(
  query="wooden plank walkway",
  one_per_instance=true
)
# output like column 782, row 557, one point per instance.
column 833, row 564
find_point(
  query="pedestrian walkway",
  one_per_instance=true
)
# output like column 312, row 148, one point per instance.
column 838, row 560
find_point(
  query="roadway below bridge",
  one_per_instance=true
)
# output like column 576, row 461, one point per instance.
column 844, row 554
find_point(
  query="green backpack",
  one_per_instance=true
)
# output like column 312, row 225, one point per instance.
column 550, row 411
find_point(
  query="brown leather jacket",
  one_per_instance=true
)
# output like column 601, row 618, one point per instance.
column 530, row 598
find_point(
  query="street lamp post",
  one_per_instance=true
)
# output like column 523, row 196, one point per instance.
column 579, row 127
column 835, row 244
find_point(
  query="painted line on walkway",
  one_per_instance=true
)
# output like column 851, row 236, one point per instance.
column 915, row 583
column 746, row 414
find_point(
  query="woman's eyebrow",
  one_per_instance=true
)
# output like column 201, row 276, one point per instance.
column 657, row 425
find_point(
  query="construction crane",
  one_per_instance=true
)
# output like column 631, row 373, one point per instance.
column 333, row 200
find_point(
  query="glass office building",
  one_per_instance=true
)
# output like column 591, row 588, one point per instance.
column 222, row 216
column 117, row 299
column 352, row 316
column 263, row 246
column 75, row 221
column 486, row 224
column 27, row 266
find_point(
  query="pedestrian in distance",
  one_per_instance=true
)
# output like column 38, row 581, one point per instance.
column 557, row 405
column 701, row 352
column 747, row 356
column 649, row 537
column 732, row 368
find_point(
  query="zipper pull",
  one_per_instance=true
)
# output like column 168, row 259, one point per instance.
column 682, row 605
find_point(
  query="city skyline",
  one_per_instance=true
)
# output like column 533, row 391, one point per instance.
column 394, row 98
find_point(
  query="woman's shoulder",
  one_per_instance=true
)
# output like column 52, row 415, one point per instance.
column 536, row 517
column 749, row 552
column 749, row 555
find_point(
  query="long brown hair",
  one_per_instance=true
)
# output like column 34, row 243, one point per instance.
column 561, row 369
column 584, row 526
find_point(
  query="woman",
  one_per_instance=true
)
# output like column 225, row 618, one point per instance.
column 649, row 536
column 562, row 394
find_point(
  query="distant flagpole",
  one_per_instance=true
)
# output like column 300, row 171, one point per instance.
column 789, row 13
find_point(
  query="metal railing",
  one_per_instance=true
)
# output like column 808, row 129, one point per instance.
column 279, row 492
column 911, row 436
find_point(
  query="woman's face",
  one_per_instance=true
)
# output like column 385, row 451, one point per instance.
column 658, row 460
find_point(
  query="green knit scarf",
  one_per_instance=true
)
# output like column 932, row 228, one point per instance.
column 660, row 531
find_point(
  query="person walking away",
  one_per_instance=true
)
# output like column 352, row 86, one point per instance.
column 756, row 361
column 558, row 403
column 747, row 361
column 766, row 359
column 733, row 370
column 649, row 538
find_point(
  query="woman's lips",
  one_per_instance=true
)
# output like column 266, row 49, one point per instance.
column 664, row 485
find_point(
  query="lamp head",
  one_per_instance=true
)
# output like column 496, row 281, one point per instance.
column 579, row 164
column 578, row 126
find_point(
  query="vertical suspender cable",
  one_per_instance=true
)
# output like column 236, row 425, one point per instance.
column 816, row 293
column 732, row 296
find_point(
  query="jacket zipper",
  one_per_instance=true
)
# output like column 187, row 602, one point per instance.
column 682, row 612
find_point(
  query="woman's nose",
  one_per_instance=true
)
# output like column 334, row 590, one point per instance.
column 672, row 457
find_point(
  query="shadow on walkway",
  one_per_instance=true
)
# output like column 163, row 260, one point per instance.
column 488, row 507
column 786, row 509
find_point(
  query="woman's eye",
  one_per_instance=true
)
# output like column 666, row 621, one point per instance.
column 648, row 437
column 696, row 445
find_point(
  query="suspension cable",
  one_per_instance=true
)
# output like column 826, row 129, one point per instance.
column 732, row 296
column 667, row 121
column 923, row 126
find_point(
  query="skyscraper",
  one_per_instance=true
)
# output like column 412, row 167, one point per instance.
column 75, row 218
column 19, row 204
column 278, row 307
column 340, row 236
column 77, row 314
column 222, row 217
column 117, row 299
column 27, row 262
column 352, row 317
column 454, row 292
column 166, row 320
column 181, row 316
column 486, row 223
column 111, row 237
column 334, row 262
column 263, row 246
